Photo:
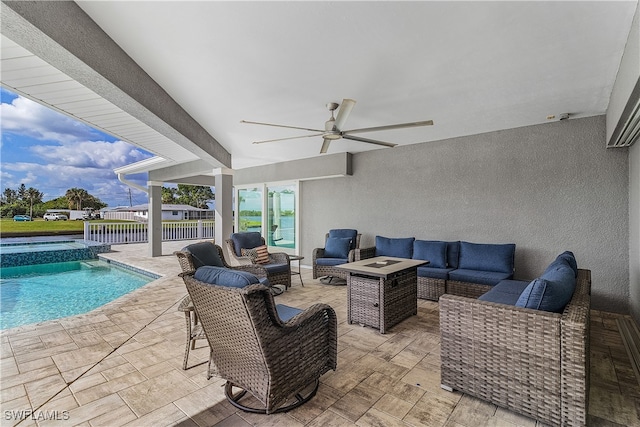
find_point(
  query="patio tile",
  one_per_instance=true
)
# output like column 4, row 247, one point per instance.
column 87, row 412
column 393, row 406
column 374, row 417
column 15, row 410
column 106, row 388
column 41, row 390
column 207, row 406
column 82, row 356
column 166, row 415
column 115, row 418
column 156, row 392
column 12, row 393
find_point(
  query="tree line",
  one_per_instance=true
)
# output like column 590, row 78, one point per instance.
column 28, row 201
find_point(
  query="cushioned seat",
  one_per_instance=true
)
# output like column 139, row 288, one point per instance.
column 505, row 292
column 331, row 261
column 490, row 278
column 434, row 273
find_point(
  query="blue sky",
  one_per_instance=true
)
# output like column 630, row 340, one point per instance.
column 52, row 152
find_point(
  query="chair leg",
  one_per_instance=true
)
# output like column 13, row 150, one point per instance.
column 234, row 399
column 190, row 342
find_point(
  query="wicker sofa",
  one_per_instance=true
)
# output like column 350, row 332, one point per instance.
column 456, row 267
column 530, row 361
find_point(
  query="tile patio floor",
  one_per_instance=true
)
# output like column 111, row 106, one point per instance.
column 122, row 365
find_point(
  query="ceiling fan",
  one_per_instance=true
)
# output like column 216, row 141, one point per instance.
column 333, row 128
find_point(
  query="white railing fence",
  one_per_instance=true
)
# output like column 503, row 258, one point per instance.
column 136, row 232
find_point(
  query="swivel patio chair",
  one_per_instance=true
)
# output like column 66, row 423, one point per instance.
column 338, row 249
column 274, row 352
column 249, row 248
column 192, row 257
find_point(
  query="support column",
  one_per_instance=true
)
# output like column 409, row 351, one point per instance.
column 224, row 206
column 154, row 227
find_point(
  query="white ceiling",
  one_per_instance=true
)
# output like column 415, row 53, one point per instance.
column 471, row 67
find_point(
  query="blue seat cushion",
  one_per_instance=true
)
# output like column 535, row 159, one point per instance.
column 225, row 277
column 505, row 292
column 248, row 240
column 331, row 261
column 275, row 268
column 479, row 276
column 453, row 254
column 400, row 248
column 204, row 253
column 550, row 292
column 337, row 247
column 345, row 232
column 433, row 251
column 285, row 313
column 434, row 273
column 487, row 257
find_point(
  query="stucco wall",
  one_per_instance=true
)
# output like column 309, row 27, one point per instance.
column 547, row 188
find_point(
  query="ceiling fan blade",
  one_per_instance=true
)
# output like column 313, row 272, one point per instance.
column 325, row 146
column 283, row 139
column 280, row 126
column 399, row 126
column 343, row 113
column 370, row 141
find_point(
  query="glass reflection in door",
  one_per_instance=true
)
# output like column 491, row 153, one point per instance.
column 281, row 216
column 250, row 209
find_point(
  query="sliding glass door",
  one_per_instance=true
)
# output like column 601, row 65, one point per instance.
column 271, row 209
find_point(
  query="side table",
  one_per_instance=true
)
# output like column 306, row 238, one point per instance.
column 297, row 258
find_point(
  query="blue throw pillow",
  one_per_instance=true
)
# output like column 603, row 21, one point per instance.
column 431, row 250
column 225, row 277
column 487, row 257
column 400, row 248
column 337, row 247
column 550, row 292
column 204, row 253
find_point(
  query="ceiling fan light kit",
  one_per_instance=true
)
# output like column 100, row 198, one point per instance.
column 333, row 127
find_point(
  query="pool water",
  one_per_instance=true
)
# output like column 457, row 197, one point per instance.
column 35, row 293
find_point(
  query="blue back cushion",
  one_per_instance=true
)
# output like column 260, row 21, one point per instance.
column 248, row 240
column 337, row 247
column 225, row 277
column 550, row 292
column 487, row 257
column 431, row 250
column 345, row 232
column 204, row 253
column 453, row 254
column 400, row 248
column 570, row 259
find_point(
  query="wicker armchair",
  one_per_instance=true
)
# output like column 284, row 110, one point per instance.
column 279, row 266
column 190, row 258
column 324, row 261
column 529, row 361
column 278, row 362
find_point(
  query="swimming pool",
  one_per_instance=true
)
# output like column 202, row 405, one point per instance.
column 43, row 252
column 39, row 292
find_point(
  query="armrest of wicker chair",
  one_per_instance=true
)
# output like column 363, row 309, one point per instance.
column 364, row 253
column 280, row 258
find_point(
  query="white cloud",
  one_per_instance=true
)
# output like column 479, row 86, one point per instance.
column 90, row 154
column 26, row 117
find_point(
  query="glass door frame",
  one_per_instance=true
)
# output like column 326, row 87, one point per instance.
column 264, row 186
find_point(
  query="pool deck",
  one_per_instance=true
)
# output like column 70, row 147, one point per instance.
column 121, row 364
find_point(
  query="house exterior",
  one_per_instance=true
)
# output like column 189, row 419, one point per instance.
column 170, row 212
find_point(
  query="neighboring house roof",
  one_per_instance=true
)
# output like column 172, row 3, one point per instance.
column 167, row 207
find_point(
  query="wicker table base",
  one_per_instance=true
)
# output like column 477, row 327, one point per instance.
column 382, row 300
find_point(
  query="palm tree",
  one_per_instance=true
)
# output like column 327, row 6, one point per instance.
column 34, row 196
column 76, row 195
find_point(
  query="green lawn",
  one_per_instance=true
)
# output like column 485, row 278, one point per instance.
column 9, row 227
